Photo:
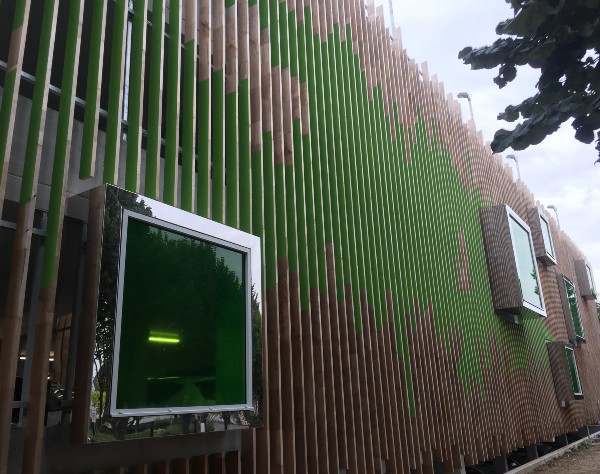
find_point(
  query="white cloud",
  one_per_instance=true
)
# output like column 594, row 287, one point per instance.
column 558, row 171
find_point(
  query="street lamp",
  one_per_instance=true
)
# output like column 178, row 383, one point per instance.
column 553, row 207
column 466, row 95
column 513, row 157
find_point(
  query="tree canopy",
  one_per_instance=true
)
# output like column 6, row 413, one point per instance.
column 561, row 38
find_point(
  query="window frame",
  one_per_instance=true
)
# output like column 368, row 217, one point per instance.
column 546, row 222
column 511, row 214
column 578, row 337
column 570, row 355
column 213, row 233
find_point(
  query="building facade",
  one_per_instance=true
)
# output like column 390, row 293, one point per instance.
column 420, row 310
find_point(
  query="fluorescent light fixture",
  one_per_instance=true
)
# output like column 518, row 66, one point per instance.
column 164, row 337
column 22, row 357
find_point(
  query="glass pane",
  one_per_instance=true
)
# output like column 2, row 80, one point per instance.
column 526, row 265
column 547, row 239
column 573, row 371
column 183, row 329
column 572, row 298
column 590, row 279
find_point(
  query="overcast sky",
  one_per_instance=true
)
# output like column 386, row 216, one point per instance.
column 560, row 170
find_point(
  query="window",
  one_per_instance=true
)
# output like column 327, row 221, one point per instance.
column 178, row 319
column 183, row 302
column 573, row 372
column 590, row 279
column 585, row 280
column 512, row 268
column 547, row 237
column 523, row 254
column 541, row 236
column 573, row 307
column 563, row 365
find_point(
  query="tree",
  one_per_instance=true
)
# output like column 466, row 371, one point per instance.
column 561, row 38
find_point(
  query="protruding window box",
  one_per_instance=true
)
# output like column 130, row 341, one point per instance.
column 171, row 320
column 541, row 236
column 573, row 320
column 585, row 280
column 514, row 279
column 565, row 374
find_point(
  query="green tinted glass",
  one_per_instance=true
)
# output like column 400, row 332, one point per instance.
column 574, row 308
column 547, row 238
column 526, row 264
column 573, row 371
column 183, row 322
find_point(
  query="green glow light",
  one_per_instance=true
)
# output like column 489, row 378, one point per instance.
column 164, row 340
column 164, row 337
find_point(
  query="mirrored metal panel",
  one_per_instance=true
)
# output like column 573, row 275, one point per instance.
column 178, row 343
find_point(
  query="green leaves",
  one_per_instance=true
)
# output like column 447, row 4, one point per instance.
column 561, row 38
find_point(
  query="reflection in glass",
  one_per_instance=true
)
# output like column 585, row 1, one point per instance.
column 526, row 264
column 182, row 333
column 547, row 238
column 574, row 308
column 572, row 363
column 590, row 279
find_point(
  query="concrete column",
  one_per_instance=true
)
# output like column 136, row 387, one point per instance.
column 440, row 469
column 501, row 464
column 532, row 452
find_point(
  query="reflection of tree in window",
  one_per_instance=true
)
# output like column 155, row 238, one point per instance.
column 183, row 322
column 105, row 321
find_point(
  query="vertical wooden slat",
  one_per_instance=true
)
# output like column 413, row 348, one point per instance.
column 22, row 241
column 232, row 191
column 188, row 109
column 363, row 182
column 115, row 93
column 244, row 123
column 87, row 323
column 89, row 140
column 218, row 111
column 204, row 117
column 34, row 429
column 10, row 90
column 136, row 96
column 155, row 100
column 171, row 170
column 290, row 331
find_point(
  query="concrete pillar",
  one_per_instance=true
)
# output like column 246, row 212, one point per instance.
column 441, row 469
column 501, row 464
column 532, row 452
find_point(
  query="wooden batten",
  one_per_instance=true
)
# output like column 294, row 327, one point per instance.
column 304, row 123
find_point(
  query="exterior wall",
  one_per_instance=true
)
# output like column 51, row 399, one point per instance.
column 302, row 123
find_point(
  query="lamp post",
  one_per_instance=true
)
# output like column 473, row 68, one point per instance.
column 513, row 157
column 553, row 207
column 466, row 95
